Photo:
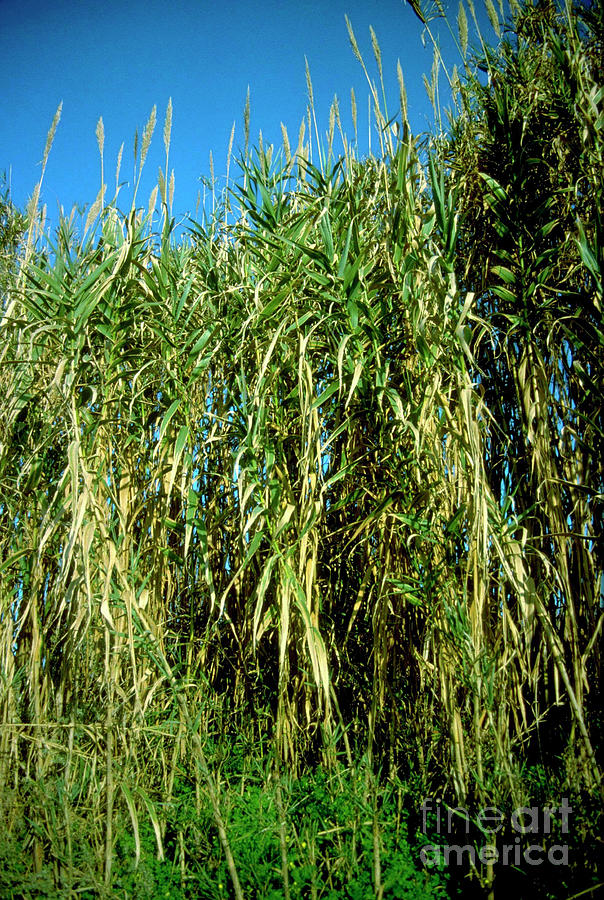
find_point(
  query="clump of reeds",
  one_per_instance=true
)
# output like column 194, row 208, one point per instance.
column 322, row 475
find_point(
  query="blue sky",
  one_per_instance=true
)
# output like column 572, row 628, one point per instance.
column 118, row 59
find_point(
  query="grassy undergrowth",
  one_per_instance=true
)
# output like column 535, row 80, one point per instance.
column 313, row 836
column 301, row 513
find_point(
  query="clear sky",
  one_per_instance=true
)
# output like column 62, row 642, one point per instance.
column 116, row 59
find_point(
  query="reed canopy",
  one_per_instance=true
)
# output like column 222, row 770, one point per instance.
column 322, row 476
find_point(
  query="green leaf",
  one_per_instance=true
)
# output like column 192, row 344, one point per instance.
column 504, row 294
column 329, row 391
column 168, row 417
column 505, row 273
column 201, row 343
column 344, row 257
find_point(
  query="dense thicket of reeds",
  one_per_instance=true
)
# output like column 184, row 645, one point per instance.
column 321, row 481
